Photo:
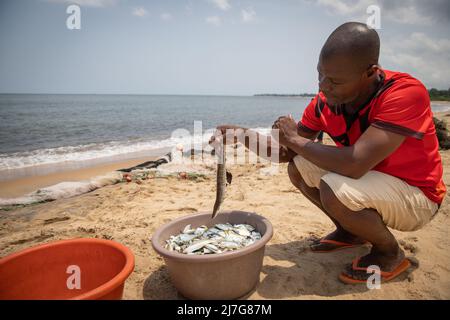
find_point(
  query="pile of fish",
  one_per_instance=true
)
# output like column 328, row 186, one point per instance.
column 220, row 238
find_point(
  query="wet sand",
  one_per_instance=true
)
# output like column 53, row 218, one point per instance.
column 19, row 187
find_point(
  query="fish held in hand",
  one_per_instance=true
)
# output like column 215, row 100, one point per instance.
column 223, row 178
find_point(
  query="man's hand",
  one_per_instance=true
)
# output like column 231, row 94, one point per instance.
column 286, row 129
column 227, row 133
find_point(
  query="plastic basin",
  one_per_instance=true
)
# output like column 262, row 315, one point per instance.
column 229, row 275
column 68, row 269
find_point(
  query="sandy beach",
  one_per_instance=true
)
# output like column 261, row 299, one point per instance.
column 130, row 213
column 21, row 186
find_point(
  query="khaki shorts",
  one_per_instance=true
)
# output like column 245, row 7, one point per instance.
column 402, row 206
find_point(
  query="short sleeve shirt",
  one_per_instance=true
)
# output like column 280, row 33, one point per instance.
column 400, row 105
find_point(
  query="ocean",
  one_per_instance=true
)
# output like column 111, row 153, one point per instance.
column 43, row 134
column 50, row 130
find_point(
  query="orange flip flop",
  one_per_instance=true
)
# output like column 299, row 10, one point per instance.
column 339, row 245
column 385, row 276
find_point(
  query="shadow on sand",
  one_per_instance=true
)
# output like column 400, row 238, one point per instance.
column 296, row 271
column 291, row 272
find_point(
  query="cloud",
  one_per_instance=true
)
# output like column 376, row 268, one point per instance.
column 88, row 3
column 140, row 12
column 189, row 7
column 401, row 11
column 342, row 7
column 248, row 15
column 423, row 56
column 221, row 4
column 417, row 11
column 166, row 16
column 214, row 20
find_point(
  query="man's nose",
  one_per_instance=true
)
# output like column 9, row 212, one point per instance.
column 324, row 84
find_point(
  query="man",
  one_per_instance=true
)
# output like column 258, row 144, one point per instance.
column 385, row 170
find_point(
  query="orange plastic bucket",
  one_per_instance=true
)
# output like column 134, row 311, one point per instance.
column 68, row 269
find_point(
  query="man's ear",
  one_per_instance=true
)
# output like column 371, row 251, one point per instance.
column 373, row 70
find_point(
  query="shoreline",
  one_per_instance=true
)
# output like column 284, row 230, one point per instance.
column 19, row 183
column 24, row 185
column 64, row 166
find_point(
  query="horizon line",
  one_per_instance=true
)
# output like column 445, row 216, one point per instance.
column 160, row 94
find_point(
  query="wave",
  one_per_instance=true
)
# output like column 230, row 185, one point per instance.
column 96, row 151
column 440, row 106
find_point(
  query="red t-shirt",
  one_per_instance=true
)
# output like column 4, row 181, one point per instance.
column 401, row 105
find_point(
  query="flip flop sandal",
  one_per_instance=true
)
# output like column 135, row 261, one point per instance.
column 385, row 276
column 339, row 245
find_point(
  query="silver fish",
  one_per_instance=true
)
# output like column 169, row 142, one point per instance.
column 197, row 245
column 223, row 177
column 221, row 237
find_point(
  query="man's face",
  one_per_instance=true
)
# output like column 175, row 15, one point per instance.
column 340, row 80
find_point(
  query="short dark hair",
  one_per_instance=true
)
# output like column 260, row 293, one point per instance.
column 355, row 40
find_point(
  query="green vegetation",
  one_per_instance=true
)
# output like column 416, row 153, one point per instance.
column 442, row 133
column 435, row 95
column 439, row 95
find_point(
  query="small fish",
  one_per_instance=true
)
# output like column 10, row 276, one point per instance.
column 185, row 237
column 197, row 245
column 242, row 230
column 221, row 237
column 223, row 177
column 224, row 226
column 188, row 229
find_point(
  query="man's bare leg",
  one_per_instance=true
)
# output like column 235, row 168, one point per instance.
column 366, row 224
column 313, row 194
column 352, row 227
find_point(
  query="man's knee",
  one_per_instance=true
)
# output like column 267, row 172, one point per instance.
column 296, row 178
column 329, row 200
column 294, row 174
column 298, row 181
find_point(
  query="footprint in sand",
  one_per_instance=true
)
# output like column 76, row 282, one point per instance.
column 409, row 246
column 40, row 237
column 86, row 230
column 57, row 219
column 432, row 275
column 184, row 209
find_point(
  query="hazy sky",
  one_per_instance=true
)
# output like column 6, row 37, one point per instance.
column 228, row 47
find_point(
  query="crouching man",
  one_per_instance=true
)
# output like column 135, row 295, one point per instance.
column 385, row 170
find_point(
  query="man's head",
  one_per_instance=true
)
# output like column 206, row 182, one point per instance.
column 348, row 63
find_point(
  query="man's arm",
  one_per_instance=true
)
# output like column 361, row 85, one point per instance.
column 256, row 142
column 372, row 147
column 286, row 154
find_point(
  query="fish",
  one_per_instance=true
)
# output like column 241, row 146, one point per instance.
column 220, row 238
column 196, row 246
column 223, row 178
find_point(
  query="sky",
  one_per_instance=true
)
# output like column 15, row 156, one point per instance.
column 206, row 47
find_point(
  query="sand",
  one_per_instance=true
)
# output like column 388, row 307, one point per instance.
column 22, row 186
column 130, row 213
